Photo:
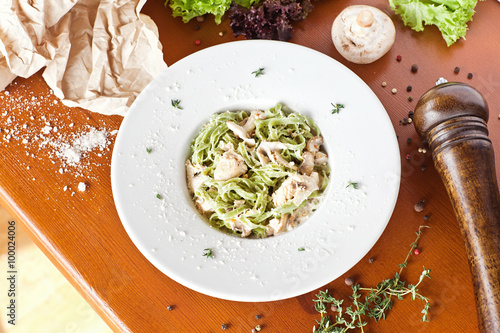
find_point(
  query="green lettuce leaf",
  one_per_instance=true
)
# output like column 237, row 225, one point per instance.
column 450, row 16
column 189, row 9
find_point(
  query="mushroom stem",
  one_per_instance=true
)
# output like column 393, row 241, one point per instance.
column 365, row 18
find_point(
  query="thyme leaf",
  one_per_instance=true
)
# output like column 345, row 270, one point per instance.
column 337, row 107
column 259, row 72
column 208, row 253
column 176, row 103
column 353, row 185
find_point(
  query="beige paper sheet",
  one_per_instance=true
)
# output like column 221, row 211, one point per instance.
column 97, row 54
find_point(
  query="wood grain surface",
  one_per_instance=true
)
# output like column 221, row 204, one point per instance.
column 82, row 235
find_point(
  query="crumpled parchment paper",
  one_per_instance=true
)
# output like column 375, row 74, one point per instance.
column 97, row 54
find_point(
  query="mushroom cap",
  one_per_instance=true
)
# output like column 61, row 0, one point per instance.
column 365, row 43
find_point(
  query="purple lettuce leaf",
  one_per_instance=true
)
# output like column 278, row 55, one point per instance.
column 270, row 19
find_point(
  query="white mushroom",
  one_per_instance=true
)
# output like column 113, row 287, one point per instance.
column 314, row 143
column 241, row 133
column 244, row 129
column 230, row 165
column 320, row 158
column 312, row 156
column 363, row 34
column 296, row 188
column 307, row 165
column 270, row 151
column 248, row 124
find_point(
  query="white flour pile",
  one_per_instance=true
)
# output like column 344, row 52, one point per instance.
column 71, row 153
column 78, row 151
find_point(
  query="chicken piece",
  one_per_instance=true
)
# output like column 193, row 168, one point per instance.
column 317, row 178
column 237, row 225
column 194, row 176
column 244, row 129
column 270, row 151
column 296, row 188
column 226, row 146
column 204, row 206
column 287, row 221
column 276, row 226
column 230, row 165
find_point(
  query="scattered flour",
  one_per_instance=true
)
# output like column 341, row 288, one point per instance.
column 82, row 186
column 72, row 152
column 75, row 151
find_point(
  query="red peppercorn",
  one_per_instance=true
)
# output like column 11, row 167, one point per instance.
column 408, row 156
column 416, row 251
column 398, row 58
column 197, row 42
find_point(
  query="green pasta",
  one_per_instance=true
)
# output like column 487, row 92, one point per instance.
column 238, row 162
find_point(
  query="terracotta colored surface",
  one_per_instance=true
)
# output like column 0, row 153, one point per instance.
column 82, row 234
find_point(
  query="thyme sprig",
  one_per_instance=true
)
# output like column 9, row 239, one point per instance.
column 258, row 72
column 337, row 107
column 353, row 185
column 376, row 303
column 176, row 103
column 209, row 253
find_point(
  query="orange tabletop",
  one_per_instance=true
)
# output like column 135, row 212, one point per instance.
column 81, row 233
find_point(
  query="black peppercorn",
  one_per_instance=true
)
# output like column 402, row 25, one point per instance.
column 414, row 68
column 419, row 206
column 349, row 281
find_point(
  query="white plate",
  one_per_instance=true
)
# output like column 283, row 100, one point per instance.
column 360, row 141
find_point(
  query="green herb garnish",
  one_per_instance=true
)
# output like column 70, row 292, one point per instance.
column 149, row 150
column 208, row 253
column 176, row 103
column 353, row 185
column 337, row 107
column 259, row 72
column 377, row 301
column 301, row 249
column 158, row 196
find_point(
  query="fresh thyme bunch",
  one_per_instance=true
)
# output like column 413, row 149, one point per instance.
column 376, row 302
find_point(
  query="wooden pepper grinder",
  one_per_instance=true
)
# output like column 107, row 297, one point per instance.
column 452, row 118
